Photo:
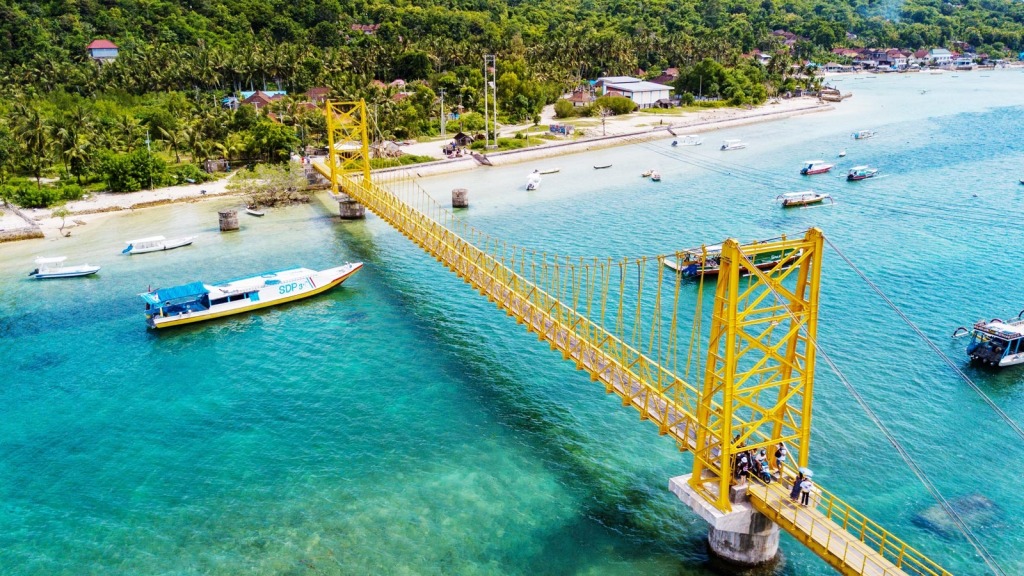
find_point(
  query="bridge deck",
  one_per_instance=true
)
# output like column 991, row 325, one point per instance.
column 818, row 528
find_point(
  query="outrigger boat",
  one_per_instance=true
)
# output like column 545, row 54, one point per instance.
column 156, row 244
column 864, row 134
column 54, row 268
column 706, row 260
column 196, row 302
column 861, row 173
column 793, row 199
column 550, row 171
column 996, row 342
column 812, row 167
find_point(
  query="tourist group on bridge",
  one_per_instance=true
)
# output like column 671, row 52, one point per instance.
column 754, row 463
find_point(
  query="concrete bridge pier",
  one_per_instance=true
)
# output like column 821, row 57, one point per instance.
column 348, row 208
column 743, row 537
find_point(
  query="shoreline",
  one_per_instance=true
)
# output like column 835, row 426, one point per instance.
column 39, row 223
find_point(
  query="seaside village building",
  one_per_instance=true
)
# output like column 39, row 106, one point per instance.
column 102, row 50
column 644, row 94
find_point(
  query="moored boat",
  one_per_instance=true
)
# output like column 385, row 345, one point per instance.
column 864, row 134
column 861, row 173
column 655, row 176
column 47, row 268
column 254, row 211
column 706, row 260
column 196, row 302
column 806, row 198
column 550, row 171
column 812, row 167
column 646, row 173
column 602, row 166
column 997, row 342
column 533, row 180
column 733, row 144
column 156, row 244
column 688, row 140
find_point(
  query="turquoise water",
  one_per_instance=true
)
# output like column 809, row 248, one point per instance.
column 401, row 425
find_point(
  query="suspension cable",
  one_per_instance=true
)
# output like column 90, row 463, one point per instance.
column 961, row 525
column 963, row 376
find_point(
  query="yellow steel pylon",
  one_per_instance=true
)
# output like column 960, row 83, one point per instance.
column 759, row 376
column 348, row 142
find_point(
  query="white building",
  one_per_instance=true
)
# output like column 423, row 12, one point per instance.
column 644, row 94
column 940, row 56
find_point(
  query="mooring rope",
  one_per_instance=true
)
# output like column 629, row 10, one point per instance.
column 949, row 362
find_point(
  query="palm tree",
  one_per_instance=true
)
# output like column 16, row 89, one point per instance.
column 31, row 133
column 172, row 138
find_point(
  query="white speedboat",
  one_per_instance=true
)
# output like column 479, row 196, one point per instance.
column 196, row 302
column 655, row 176
column 733, row 144
column 156, row 244
column 55, row 268
column 812, row 167
column 861, row 173
column 997, row 342
column 533, row 180
column 253, row 211
column 688, row 140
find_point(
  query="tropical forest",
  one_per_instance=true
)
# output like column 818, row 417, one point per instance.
column 168, row 102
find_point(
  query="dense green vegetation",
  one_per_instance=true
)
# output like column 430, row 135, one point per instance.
column 68, row 116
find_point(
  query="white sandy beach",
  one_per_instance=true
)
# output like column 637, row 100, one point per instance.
column 617, row 131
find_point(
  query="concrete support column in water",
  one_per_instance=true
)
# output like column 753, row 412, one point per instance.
column 228, row 220
column 349, row 209
column 460, row 198
column 743, row 537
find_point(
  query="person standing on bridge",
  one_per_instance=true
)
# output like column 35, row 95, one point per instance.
column 805, row 491
column 795, row 492
column 780, row 458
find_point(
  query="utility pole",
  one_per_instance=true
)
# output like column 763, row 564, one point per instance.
column 490, row 65
column 443, row 115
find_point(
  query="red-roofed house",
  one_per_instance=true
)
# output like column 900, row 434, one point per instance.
column 318, row 95
column 259, row 99
column 102, row 49
column 581, row 98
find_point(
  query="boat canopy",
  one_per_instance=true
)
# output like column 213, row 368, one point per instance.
column 53, row 260
column 184, row 291
column 859, row 168
column 1004, row 330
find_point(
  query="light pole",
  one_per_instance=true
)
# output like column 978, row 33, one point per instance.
column 442, row 113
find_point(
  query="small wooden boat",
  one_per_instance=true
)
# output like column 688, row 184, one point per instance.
column 812, row 167
column 602, row 167
column 806, row 198
column 551, row 171
column 47, row 268
column 156, row 244
column 861, row 173
column 253, row 211
column 647, row 174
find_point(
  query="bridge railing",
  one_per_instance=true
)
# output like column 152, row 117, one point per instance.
column 830, row 532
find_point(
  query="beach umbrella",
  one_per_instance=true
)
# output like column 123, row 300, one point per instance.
column 807, row 472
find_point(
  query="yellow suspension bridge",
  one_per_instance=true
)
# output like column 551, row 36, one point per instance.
column 617, row 321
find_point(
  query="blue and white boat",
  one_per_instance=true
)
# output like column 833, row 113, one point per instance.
column 55, row 268
column 156, row 244
column 997, row 342
column 196, row 302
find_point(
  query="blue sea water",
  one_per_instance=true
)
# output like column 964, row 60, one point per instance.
column 402, row 425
